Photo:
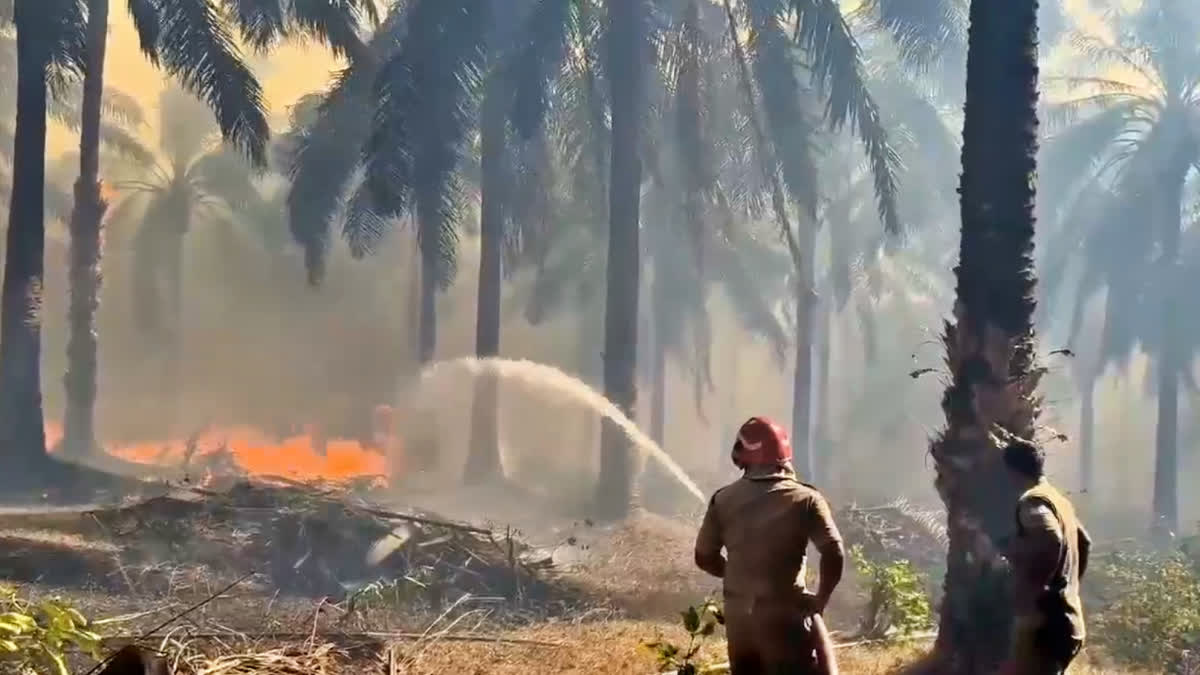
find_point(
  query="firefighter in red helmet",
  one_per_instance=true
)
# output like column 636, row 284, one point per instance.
column 764, row 522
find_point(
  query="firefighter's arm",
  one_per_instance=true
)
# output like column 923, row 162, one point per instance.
column 828, row 540
column 1085, row 549
column 709, row 543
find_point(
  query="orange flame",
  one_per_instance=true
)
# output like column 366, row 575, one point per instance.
column 257, row 454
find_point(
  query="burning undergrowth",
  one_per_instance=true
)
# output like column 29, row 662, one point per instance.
column 294, row 539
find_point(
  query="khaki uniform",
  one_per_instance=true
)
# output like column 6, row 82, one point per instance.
column 764, row 523
column 1047, row 558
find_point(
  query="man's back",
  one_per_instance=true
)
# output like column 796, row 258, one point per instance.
column 1049, row 561
column 765, row 524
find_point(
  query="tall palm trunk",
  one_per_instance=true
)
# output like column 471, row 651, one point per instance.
column 173, row 259
column 802, row 376
column 427, row 335
column 822, row 442
column 1171, row 360
column 22, row 435
column 625, row 64
column 1087, row 430
column 658, row 388
column 483, row 453
column 85, row 274
column 990, row 348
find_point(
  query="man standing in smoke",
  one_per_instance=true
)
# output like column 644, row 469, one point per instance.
column 764, row 521
column 1047, row 558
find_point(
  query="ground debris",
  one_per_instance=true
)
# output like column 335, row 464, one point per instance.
column 302, row 540
column 898, row 530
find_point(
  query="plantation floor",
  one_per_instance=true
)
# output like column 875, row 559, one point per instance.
column 271, row 580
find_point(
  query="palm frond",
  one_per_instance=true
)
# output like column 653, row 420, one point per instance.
column 56, row 30
column 425, row 94
column 439, row 209
column 121, row 108
column 537, row 59
column 1068, row 157
column 262, row 23
column 754, row 276
column 362, row 228
column 926, row 31
column 835, row 60
column 1103, row 54
column 327, row 153
column 195, row 47
column 336, row 23
column 148, row 26
column 119, row 140
column 789, row 125
column 225, row 175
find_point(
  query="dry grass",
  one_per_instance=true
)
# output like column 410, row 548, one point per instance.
column 636, row 576
column 613, row 647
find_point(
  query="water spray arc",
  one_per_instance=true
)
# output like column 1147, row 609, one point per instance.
column 545, row 379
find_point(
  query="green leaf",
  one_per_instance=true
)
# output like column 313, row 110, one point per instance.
column 691, row 620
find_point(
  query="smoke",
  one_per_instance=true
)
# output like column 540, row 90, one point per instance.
column 551, row 383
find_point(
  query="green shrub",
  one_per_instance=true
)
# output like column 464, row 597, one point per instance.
column 897, row 601
column 1149, row 614
column 700, row 623
column 36, row 636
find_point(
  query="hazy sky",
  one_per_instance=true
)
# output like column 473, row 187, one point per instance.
column 289, row 72
column 286, row 75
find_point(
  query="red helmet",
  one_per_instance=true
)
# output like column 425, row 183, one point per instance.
column 761, row 442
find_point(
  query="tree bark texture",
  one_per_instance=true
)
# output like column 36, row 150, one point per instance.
column 990, row 342
column 22, row 434
column 85, row 273
column 625, row 64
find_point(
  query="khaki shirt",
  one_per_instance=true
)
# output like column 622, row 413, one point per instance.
column 765, row 524
column 1046, row 561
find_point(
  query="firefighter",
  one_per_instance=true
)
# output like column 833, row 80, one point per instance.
column 765, row 521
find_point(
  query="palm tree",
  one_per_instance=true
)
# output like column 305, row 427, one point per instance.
column 195, row 179
column 785, row 142
column 45, row 49
column 1132, row 133
column 207, row 63
column 989, row 342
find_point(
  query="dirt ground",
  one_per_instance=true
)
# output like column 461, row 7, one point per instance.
column 287, row 579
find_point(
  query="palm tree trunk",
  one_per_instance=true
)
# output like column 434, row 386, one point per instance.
column 22, row 434
column 802, row 376
column 85, row 275
column 658, row 388
column 1087, row 429
column 414, row 305
column 990, row 342
column 1171, row 360
column 172, row 384
column 483, row 453
column 822, row 441
column 427, row 337
column 625, row 60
